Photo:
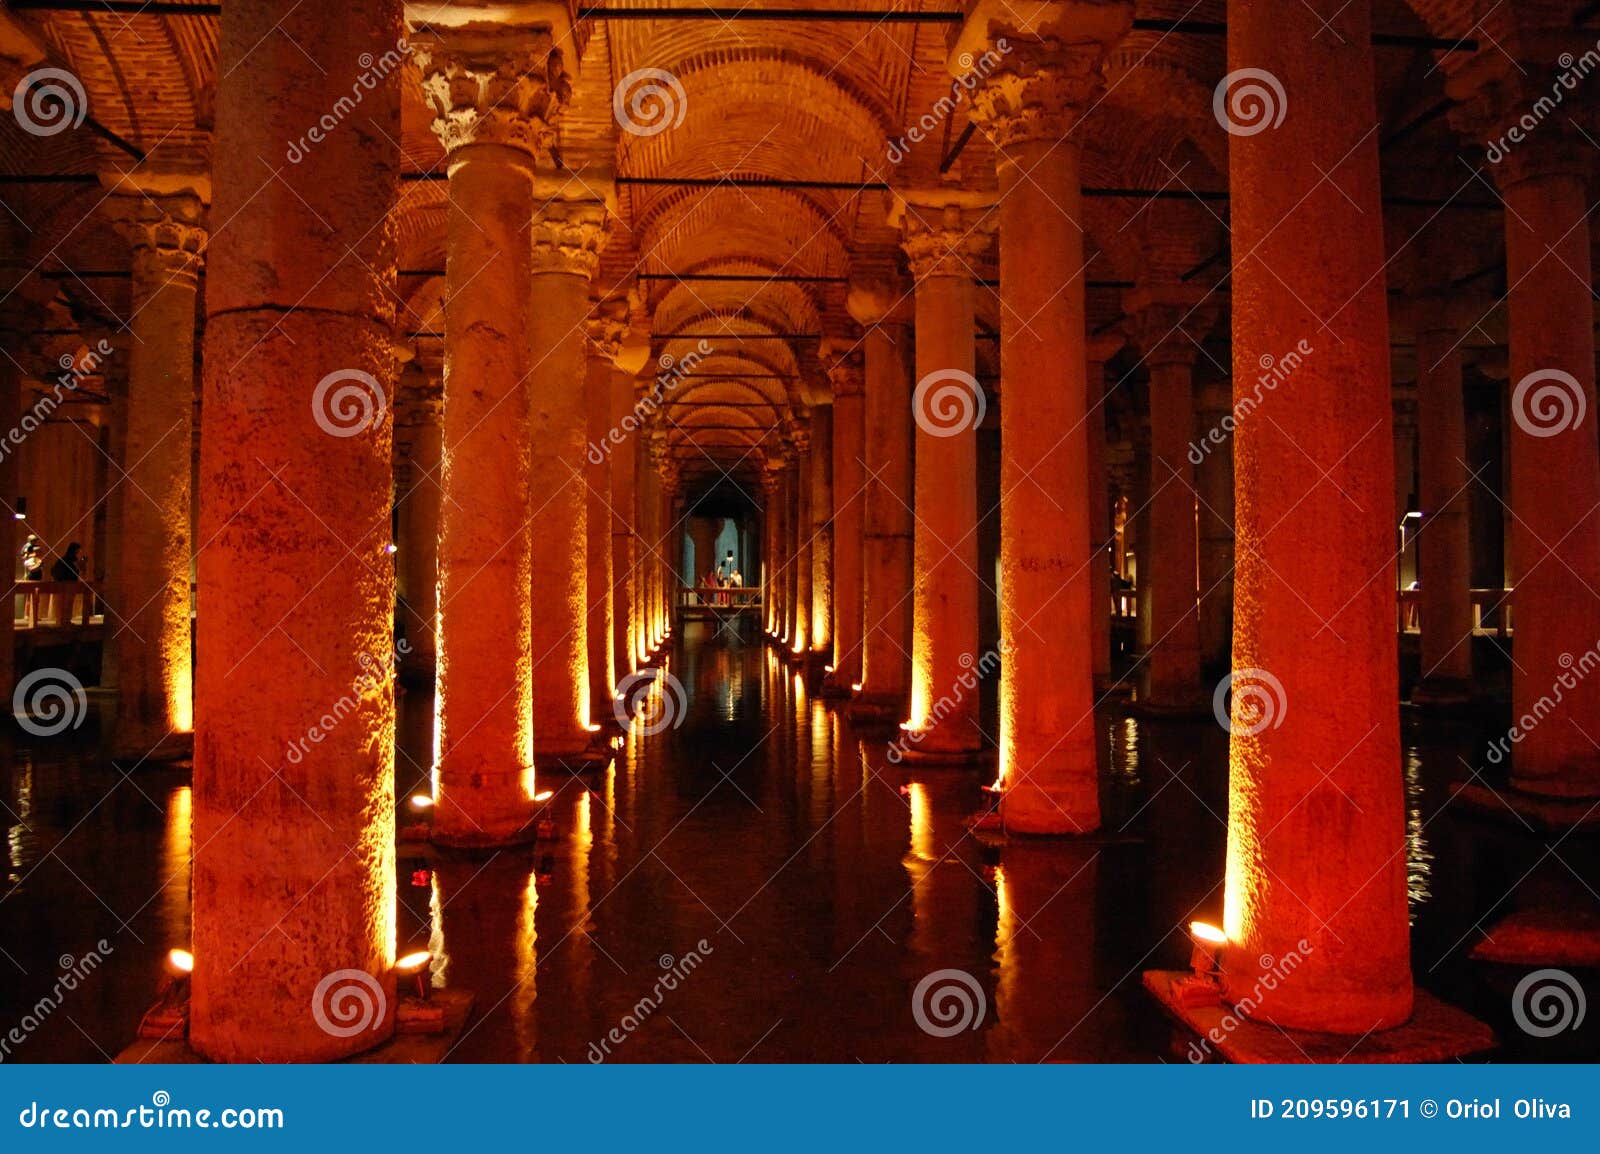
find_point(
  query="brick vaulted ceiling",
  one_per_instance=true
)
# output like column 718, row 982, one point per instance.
column 762, row 101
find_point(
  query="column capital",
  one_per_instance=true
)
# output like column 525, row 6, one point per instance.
column 607, row 328
column 945, row 230
column 845, row 362
column 1168, row 322
column 567, row 236
column 878, row 301
column 1033, row 89
column 493, row 84
column 1516, row 114
column 167, row 232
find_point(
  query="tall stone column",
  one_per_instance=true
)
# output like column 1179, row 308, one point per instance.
column 627, row 641
column 605, row 331
column 1443, row 491
column 162, row 219
column 703, row 543
column 783, row 547
column 1316, row 859
column 845, row 371
column 1097, row 352
column 294, row 861
column 495, row 93
column 18, row 322
column 771, row 531
column 567, row 236
column 822, row 547
column 649, row 560
column 886, row 542
column 1555, row 455
column 944, row 239
column 420, row 502
column 1029, row 106
column 1214, row 480
column 669, row 546
column 801, row 536
column 1169, row 321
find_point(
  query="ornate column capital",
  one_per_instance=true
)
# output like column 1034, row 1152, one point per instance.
column 877, row 301
column 1519, row 115
column 493, row 84
column 1036, row 89
column 607, row 328
column 945, row 230
column 1168, row 322
column 567, row 236
column 167, row 234
column 845, row 363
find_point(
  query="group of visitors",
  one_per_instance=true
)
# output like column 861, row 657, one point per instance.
column 69, row 566
column 724, row 574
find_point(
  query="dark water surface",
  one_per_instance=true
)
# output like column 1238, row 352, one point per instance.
column 761, row 884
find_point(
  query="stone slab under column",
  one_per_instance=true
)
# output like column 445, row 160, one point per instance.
column 1542, row 937
column 1436, row 1032
column 1543, row 812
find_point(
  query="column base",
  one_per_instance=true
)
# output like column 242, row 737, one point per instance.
column 1548, row 813
column 1444, row 694
column 591, row 759
column 876, row 709
column 912, row 754
column 1214, row 1032
column 834, row 688
column 1543, row 937
column 476, row 841
column 173, row 747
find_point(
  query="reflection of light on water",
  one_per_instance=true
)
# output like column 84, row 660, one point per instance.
column 524, row 993
column 921, row 822
column 1419, row 858
column 1123, row 736
column 17, row 835
column 175, row 845
column 438, row 967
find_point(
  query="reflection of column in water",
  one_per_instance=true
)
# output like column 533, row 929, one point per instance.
column 821, row 733
column 944, row 891
column 526, row 989
column 18, row 837
column 1047, row 1001
column 175, row 846
column 484, row 932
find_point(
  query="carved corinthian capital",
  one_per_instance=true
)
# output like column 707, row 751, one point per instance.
column 567, row 236
column 493, row 85
column 1037, row 90
column 943, row 237
column 167, row 234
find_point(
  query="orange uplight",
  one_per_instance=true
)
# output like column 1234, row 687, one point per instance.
column 182, row 961
column 413, row 962
column 421, row 800
column 1208, row 933
column 544, row 795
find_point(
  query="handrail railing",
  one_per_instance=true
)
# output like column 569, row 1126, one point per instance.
column 720, row 596
column 55, row 604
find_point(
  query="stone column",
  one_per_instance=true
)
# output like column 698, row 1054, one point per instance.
column 624, row 533
column 1555, row 456
column 1405, row 475
column 294, row 860
column 669, row 546
column 1316, row 859
column 1168, row 323
column 1214, row 479
column 567, row 236
column 605, row 331
column 845, row 370
column 495, row 94
column 1029, row 106
column 771, row 531
column 161, row 217
column 801, row 535
column 886, row 542
column 18, row 322
column 703, row 540
column 783, row 546
column 1098, row 351
column 944, row 239
column 1443, row 492
column 649, row 561
column 822, row 546
column 420, row 502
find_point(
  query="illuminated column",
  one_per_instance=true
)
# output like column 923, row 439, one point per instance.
column 1443, row 489
column 18, row 322
column 567, row 236
column 1098, row 351
column 1555, row 457
column 771, row 532
column 783, row 544
column 1168, row 324
column 944, row 238
column 650, row 539
column 800, row 586
column 294, row 861
column 624, row 534
column 1029, row 106
column 420, row 500
column 822, row 545
column 162, row 220
column 1316, row 818
column 703, row 540
column 669, row 545
column 849, row 504
column 494, row 95
column 1214, row 480
column 605, row 332
column 886, row 541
